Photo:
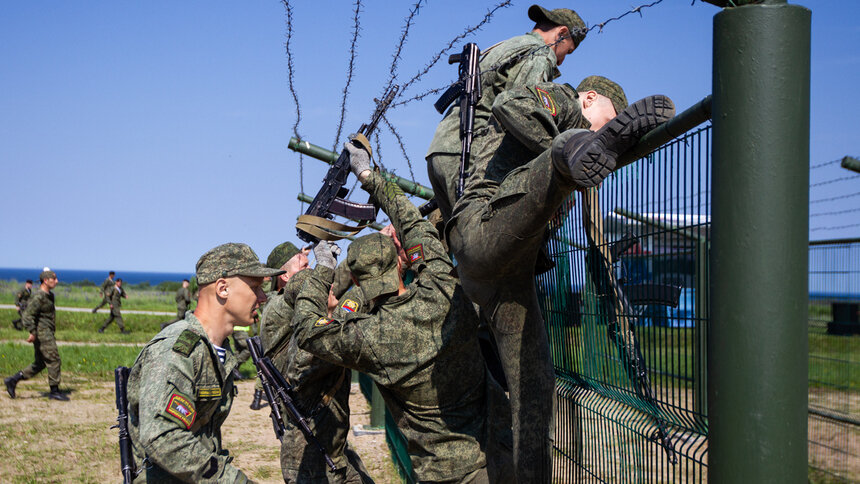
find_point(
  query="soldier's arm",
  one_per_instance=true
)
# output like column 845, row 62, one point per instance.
column 419, row 237
column 19, row 297
column 275, row 327
column 537, row 113
column 30, row 315
column 336, row 339
column 168, row 413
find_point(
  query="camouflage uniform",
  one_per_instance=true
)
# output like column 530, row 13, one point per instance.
column 240, row 337
column 179, row 394
column 443, row 156
column 496, row 248
column 21, row 300
column 322, row 394
column 107, row 284
column 420, row 347
column 39, row 320
column 115, row 297
column 183, row 300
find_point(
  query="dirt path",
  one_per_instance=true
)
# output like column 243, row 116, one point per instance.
column 103, row 311
column 48, row 441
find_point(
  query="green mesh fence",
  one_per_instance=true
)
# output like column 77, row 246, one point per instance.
column 834, row 361
column 626, row 312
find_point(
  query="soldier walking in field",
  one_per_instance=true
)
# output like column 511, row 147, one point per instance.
column 107, row 285
column 21, row 298
column 115, row 297
column 180, row 389
column 40, row 321
column 183, row 301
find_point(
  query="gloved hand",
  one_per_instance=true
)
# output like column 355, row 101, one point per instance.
column 326, row 253
column 359, row 158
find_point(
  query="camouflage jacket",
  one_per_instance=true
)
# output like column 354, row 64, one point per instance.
column 183, row 297
column 40, row 314
column 107, row 284
column 539, row 64
column 115, row 296
column 179, row 394
column 420, row 347
column 22, row 297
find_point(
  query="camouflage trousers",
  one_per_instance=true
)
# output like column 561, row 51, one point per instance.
column 46, row 355
column 242, row 350
column 495, row 236
column 115, row 315
column 101, row 304
column 302, row 462
column 443, row 170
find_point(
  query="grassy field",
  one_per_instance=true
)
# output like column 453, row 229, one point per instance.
column 140, row 297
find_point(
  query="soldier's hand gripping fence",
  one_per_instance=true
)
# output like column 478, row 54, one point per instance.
column 468, row 89
column 277, row 390
column 620, row 328
column 126, row 458
column 316, row 223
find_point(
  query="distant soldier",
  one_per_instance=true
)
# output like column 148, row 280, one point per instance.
column 115, row 297
column 183, row 300
column 180, row 389
column 107, row 285
column 21, row 299
column 39, row 320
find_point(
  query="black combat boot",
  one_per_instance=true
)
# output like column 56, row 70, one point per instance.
column 591, row 157
column 56, row 395
column 12, row 381
column 255, row 405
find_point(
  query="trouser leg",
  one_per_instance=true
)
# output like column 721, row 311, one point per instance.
column 443, row 170
column 117, row 315
column 104, row 301
column 38, row 362
column 107, row 321
column 51, row 357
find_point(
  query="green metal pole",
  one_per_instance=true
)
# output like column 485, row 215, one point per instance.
column 850, row 163
column 330, row 157
column 377, row 408
column 757, row 345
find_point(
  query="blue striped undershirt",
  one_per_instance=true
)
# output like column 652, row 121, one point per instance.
column 222, row 353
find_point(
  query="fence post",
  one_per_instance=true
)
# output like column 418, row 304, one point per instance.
column 758, row 343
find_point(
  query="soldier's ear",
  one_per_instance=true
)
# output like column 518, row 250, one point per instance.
column 221, row 287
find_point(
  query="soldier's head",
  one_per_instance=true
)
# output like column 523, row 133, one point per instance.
column 561, row 28
column 601, row 100
column 119, row 282
column 28, row 284
column 111, row 274
column 185, row 283
column 288, row 258
column 230, row 277
column 374, row 265
column 48, row 278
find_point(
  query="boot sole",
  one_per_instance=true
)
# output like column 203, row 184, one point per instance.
column 600, row 156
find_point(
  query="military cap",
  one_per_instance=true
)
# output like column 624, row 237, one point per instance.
column 281, row 254
column 605, row 87
column 372, row 259
column 561, row 16
column 229, row 260
column 47, row 274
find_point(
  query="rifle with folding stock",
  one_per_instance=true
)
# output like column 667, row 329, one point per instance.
column 316, row 223
column 277, row 389
column 126, row 457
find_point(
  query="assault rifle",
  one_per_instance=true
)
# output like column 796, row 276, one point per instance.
column 330, row 200
column 468, row 89
column 278, row 390
column 126, row 458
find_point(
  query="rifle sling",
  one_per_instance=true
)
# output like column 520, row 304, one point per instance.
column 326, row 399
column 325, row 229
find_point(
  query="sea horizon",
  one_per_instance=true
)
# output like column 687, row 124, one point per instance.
column 21, row 274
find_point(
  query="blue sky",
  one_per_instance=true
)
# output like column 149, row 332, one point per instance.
column 137, row 135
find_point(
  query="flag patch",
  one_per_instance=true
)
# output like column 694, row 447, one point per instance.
column 547, row 101
column 349, row 305
column 323, row 321
column 181, row 408
column 415, row 253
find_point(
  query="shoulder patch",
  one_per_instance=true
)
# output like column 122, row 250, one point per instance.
column 415, row 253
column 323, row 321
column 181, row 408
column 546, row 100
column 185, row 342
column 349, row 305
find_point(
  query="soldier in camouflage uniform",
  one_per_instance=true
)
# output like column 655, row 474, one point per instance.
column 107, row 285
column 496, row 246
column 115, row 297
column 183, row 300
column 39, row 320
column 525, row 60
column 180, row 388
column 21, row 299
column 419, row 344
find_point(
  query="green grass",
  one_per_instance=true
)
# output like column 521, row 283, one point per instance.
column 140, row 297
column 93, row 361
column 77, row 326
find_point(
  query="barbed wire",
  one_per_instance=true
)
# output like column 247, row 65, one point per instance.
column 518, row 57
column 349, row 73
column 402, row 146
column 843, row 178
column 840, row 197
column 836, row 212
column 836, row 227
column 404, row 33
column 291, row 82
column 826, row 163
